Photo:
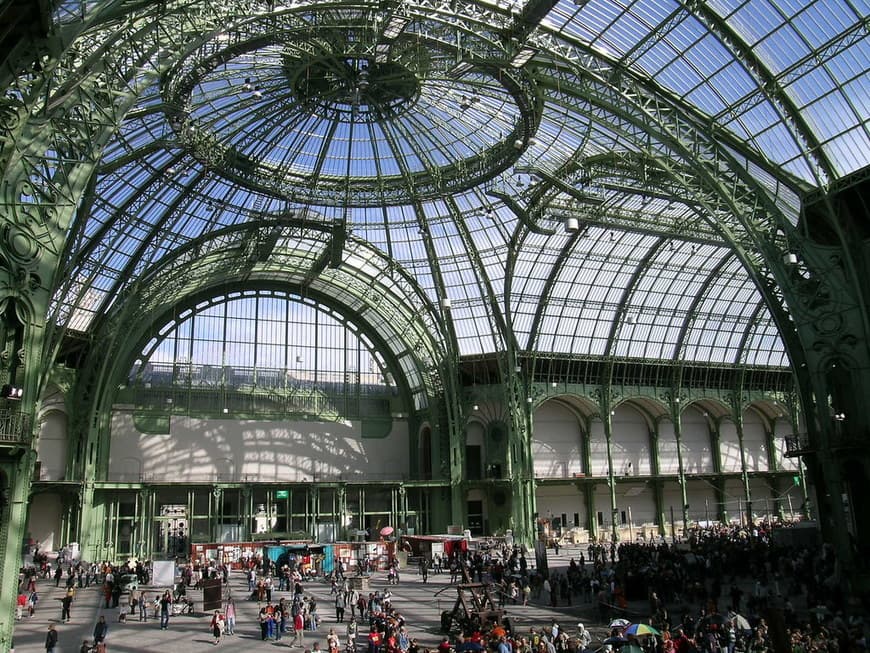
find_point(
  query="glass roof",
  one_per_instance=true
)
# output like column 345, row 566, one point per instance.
column 504, row 157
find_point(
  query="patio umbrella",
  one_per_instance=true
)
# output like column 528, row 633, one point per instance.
column 619, row 623
column 639, row 630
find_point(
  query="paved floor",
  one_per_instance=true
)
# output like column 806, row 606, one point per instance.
column 420, row 603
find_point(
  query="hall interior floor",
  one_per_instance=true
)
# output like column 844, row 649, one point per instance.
column 420, row 603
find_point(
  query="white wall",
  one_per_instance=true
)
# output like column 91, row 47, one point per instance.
column 672, row 498
column 697, row 454
column 597, row 450
column 735, row 499
column 631, row 443
column 781, row 429
column 556, row 442
column 755, row 443
column 52, row 446
column 601, row 496
column 197, row 450
column 729, row 447
column 638, row 501
column 43, row 521
column 554, row 501
column 701, row 497
column 669, row 462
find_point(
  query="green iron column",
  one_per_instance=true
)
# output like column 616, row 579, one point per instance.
column 20, row 366
column 655, row 471
column 611, row 477
column 588, row 487
column 737, row 416
column 716, row 455
column 519, row 463
column 676, row 416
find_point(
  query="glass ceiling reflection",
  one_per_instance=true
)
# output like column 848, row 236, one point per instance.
column 385, row 137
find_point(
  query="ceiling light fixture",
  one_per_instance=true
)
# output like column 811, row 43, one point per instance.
column 11, row 392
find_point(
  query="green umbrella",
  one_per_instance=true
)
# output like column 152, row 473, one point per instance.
column 639, row 630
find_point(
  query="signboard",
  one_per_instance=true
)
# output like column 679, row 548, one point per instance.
column 163, row 573
column 211, row 594
column 282, row 494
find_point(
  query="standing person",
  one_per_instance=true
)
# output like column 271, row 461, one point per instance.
column 65, row 604
column 298, row 629
column 20, row 604
column 50, row 639
column 217, row 626
column 352, row 631
column 231, row 616
column 100, row 631
column 340, row 599
column 165, row 606
column 143, row 606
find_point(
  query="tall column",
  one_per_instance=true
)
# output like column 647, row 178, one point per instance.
column 676, row 413
column 655, row 471
column 607, row 422
column 737, row 415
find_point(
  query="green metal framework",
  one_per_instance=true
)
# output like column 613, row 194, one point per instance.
column 562, row 189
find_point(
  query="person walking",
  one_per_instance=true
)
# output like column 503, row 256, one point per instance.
column 65, row 604
column 217, row 626
column 50, row 639
column 143, row 606
column 165, row 607
column 230, row 615
column 100, row 631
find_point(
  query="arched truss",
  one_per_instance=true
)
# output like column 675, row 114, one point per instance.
column 385, row 301
column 58, row 119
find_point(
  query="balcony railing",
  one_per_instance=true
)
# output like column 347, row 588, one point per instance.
column 14, row 427
column 797, row 444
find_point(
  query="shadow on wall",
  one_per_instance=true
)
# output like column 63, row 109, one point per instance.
column 217, row 450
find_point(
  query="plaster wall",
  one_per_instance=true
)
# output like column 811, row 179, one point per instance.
column 637, row 501
column 631, row 443
column 781, row 429
column 669, row 462
column 755, row 443
column 52, row 446
column 729, row 447
column 555, row 501
column 557, row 443
column 697, row 450
column 43, row 521
column 203, row 450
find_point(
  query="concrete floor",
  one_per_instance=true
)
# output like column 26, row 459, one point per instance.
column 421, row 604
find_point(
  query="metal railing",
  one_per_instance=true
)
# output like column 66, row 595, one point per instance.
column 14, row 427
column 797, row 444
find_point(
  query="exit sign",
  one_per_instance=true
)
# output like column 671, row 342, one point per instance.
column 282, row 494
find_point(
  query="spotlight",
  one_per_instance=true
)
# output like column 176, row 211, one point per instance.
column 10, row 392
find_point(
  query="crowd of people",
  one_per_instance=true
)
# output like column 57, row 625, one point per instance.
column 721, row 589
